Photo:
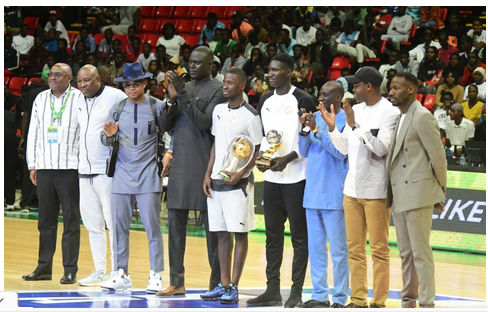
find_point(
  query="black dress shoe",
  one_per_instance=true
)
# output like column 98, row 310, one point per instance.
column 38, row 275
column 68, row 278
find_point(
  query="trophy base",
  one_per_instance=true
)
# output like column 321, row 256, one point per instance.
column 224, row 175
column 263, row 162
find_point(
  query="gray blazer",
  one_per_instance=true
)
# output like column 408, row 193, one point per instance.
column 416, row 163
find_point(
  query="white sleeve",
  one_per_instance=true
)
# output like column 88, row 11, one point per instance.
column 340, row 140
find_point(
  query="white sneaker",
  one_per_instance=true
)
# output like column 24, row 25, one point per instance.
column 155, row 283
column 94, row 279
column 10, row 207
column 17, row 204
column 118, row 282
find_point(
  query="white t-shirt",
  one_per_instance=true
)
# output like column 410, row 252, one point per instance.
column 228, row 123
column 145, row 61
column 480, row 38
column 481, row 91
column 440, row 115
column 59, row 27
column 305, row 37
column 172, row 46
column 22, row 44
column 459, row 134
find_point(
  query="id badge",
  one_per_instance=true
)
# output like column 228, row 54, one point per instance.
column 52, row 134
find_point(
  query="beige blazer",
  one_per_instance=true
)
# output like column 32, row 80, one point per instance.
column 416, row 163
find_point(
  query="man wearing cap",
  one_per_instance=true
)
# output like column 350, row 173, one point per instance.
column 366, row 140
column 189, row 115
column 417, row 171
column 52, row 158
column 136, row 176
column 458, row 130
column 55, row 23
column 95, row 186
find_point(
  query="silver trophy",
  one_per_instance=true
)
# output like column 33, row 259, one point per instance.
column 274, row 138
column 238, row 155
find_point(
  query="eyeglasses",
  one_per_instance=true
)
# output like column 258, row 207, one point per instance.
column 55, row 75
column 135, row 85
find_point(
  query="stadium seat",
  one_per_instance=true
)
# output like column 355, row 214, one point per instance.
column 7, row 73
column 198, row 25
column 420, row 97
column 192, row 40
column 123, row 38
column 32, row 22
column 429, row 101
column 334, row 74
column 147, row 11
column 198, row 12
column 164, row 12
column 98, row 38
column 413, row 31
column 16, row 84
column 152, row 39
column 229, row 10
column 382, row 50
column 36, row 81
column 6, row 80
column 219, row 10
column 72, row 36
column 340, row 62
column 181, row 12
column 149, row 26
column 184, row 26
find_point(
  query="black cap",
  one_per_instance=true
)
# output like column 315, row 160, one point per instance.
column 366, row 74
column 236, row 14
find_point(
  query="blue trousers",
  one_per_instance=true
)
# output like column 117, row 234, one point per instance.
column 323, row 225
column 149, row 209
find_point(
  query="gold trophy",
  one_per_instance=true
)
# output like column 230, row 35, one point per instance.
column 238, row 155
column 274, row 139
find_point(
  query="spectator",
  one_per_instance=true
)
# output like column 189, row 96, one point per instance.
column 347, row 41
column 357, row 14
column 80, row 53
column 235, row 60
column 386, row 84
column 472, row 108
column 105, row 76
column 271, row 50
column 259, row 30
column 151, row 86
column 431, row 17
column 161, row 56
column 253, row 42
column 458, row 130
column 455, row 65
column 419, row 51
column 208, row 30
column 285, row 43
column 105, row 48
column 448, row 152
column 216, row 70
column 478, row 34
column 415, row 13
column 127, row 16
column 10, row 55
column 62, row 54
column 146, row 56
column 335, row 12
column 451, row 85
column 170, row 40
column 480, row 128
column 399, row 28
column 57, row 25
column 217, row 38
column 362, row 47
column 332, row 33
column 50, row 61
column 51, row 43
column 91, row 45
column 105, row 16
column 446, row 50
column 319, row 54
column 407, row 64
column 256, row 58
column 134, row 50
column 258, row 81
column 473, row 63
column 306, row 11
column 382, row 22
column 466, row 48
column 155, row 69
column 91, row 59
column 37, row 57
column 223, row 47
column 430, row 72
column 185, row 57
column 442, row 112
column 393, row 58
column 23, row 42
column 173, row 64
column 117, row 66
column 306, row 33
column 454, row 29
column 479, row 80
column 116, row 47
column 240, row 28
column 345, row 86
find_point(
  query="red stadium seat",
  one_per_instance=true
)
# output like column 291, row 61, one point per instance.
column 32, row 22
column 147, row 11
column 420, row 97
column 36, row 81
column 340, row 62
column 16, row 84
column 198, row 12
column 164, row 12
column 198, row 26
column 192, row 40
column 98, row 38
column 152, row 39
column 6, row 80
column 231, row 9
column 334, row 74
column 7, row 73
column 123, row 38
column 184, row 26
column 181, row 12
column 149, row 26
column 413, row 31
column 382, row 50
column 219, row 10
column 429, row 101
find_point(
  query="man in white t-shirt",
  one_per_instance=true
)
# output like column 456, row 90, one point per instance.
column 58, row 25
column 458, row 130
column 231, row 187
column 366, row 140
column 306, row 34
column 23, row 42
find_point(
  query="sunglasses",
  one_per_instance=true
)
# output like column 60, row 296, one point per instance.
column 135, row 85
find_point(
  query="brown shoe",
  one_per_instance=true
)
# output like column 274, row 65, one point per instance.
column 172, row 291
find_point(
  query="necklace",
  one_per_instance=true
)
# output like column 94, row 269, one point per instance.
column 283, row 102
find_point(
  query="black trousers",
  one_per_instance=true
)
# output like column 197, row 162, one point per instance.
column 282, row 201
column 57, row 187
column 177, row 221
column 28, row 189
column 10, row 160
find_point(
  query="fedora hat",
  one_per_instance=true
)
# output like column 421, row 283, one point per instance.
column 132, row 72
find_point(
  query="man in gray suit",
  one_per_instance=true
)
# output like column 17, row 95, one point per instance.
column 417, row 170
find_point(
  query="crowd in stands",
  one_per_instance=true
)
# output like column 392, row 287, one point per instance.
column 447, row 56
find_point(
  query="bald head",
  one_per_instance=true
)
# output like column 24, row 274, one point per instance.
column 331, row 93
column 105, row 75
column 59, row 77
column 206, row 51
column 89, row 81
column 201, row 61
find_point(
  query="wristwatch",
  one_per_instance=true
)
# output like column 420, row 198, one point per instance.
column 316, row 129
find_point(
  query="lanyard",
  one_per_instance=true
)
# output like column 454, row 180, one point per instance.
column 57, row 114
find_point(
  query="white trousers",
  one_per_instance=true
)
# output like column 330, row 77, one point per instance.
column 95, row 208
column 395, row 39
column 360, row 51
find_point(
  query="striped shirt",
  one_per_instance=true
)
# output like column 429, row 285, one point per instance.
column 60, row 155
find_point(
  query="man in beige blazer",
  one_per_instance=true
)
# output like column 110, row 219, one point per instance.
column 417, row 171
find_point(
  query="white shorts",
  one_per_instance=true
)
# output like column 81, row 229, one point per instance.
column 231, row 211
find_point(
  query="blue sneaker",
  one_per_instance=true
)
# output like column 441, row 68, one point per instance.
column 231, row 295
column 214, row 294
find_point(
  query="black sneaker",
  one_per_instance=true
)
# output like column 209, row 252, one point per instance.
column 294, row 299
column 352, row 305
column 337, row 305
column 314, row 304
column 268, row 298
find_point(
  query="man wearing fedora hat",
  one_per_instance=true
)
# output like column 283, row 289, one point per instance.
column 136, row 176
column 366, row 140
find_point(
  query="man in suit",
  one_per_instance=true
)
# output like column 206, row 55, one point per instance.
column 417, row 182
